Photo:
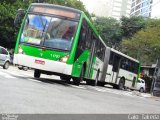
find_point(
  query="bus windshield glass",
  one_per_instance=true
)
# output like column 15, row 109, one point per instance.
column 56, row 33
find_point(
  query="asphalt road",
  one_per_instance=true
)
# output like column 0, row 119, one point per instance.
column 21, row 93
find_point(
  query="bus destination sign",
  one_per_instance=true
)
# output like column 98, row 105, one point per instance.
column 55, row 11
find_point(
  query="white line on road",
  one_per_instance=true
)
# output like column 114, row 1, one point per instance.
column 109, row 90
column 80, row 87
column 6, row 75
column 34, row 80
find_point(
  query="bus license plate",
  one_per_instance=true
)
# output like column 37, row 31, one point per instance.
column 40, row 62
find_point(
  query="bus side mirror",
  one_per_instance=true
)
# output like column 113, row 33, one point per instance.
column 19, row 16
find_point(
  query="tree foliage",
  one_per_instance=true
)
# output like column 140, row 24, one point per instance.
column 145, row 44
column 131, row 25
column 7, row 30
column 110, row 30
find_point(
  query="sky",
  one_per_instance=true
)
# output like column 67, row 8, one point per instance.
column 90, row 4
column 155, row 9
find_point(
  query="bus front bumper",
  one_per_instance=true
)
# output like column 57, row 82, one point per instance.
column 42, row 64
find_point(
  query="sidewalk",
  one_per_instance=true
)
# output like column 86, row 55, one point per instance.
column 145, row 95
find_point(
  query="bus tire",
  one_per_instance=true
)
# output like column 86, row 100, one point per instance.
column 121, row 84
column 76, row 81
column 20, row 68
column 6, row 65
column 37, row 73
column 115, row 86
column 101, row 84
column 89, row 82
column 65, row 78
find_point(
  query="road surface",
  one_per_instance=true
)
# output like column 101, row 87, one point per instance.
column 21, row 93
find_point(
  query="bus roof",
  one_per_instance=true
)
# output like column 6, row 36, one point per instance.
column 124, row 55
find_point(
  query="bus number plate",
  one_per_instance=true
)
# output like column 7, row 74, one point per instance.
column 40, row 62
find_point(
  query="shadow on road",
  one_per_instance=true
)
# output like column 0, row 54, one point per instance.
column 56, row 81
column 52, row 81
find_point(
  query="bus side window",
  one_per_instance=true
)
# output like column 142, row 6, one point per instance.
column 128, row 64
column 123, row 64
column 111, row 58
column 102, row 51
column 136, row 68
column 98, row 48
column 133, row 66
column 82, row 38
column 116, row 61
column 88, row 38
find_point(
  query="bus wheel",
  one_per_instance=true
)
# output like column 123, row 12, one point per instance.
column 76, row 81
column 37, row 73
column 121, row 84
column 115, row 86
column 101, row 84
column 88, row 82
column 65, row 78
column 6, row 65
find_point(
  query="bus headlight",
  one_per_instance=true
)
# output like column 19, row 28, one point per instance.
column 64, row 59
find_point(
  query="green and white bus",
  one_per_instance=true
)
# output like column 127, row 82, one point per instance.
column 121, row 71
column 62, row 41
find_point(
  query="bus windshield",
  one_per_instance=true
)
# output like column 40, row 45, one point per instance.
column 56, row 33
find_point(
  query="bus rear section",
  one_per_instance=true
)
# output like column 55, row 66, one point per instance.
column 122, row 70
column 46, row 39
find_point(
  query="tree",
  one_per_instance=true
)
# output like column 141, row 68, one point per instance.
column 145, row 44
column 131, row 25
column 110, row 30
column 7, row 31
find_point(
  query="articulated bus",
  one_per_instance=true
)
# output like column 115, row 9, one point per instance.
column 62, row 41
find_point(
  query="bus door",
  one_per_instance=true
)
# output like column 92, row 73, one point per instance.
column 115, row 69
column 91, row 58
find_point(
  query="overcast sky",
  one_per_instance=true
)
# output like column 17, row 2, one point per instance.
column 90, row 4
